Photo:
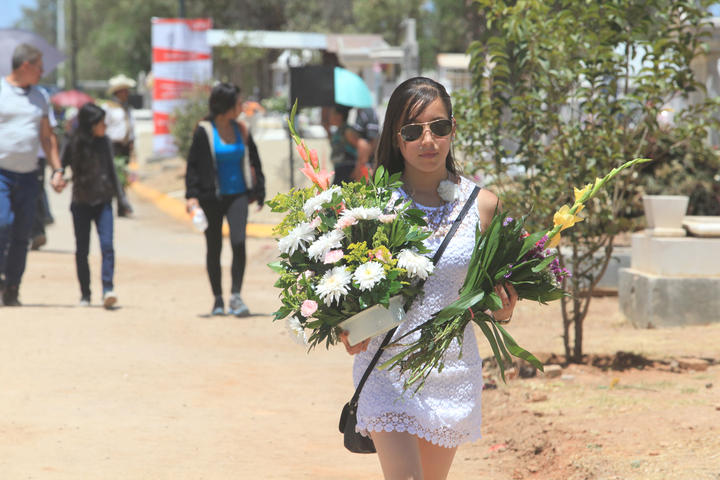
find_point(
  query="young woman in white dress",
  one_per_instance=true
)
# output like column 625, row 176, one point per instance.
column 416, row 436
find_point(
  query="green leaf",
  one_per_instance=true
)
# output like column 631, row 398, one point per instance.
column 518, row 351
column 493, row 345
column 277, row 267
column 543, row 264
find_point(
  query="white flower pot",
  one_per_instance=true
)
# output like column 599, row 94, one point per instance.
column 664, row 214
column 374, row 320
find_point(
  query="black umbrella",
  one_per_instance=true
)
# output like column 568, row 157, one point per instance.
column 10, row 38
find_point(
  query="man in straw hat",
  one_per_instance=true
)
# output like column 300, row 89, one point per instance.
column 24, row 127
column 121, row 130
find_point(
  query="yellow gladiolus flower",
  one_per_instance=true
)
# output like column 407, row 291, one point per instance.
column 554, row 241
column 579, row 193
column 565, row 219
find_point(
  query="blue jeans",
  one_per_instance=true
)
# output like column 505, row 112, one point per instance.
column 18, row 198
column 83, row 216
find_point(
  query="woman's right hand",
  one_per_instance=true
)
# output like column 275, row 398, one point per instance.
column 354, row 349
column 190, row 204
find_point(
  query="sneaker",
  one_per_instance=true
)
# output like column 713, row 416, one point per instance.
column 238, row 307
column 218, row 306
column 85, row 302
column 10, row 296
column 109, row 299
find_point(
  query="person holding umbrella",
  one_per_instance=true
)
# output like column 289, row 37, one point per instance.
column 24, row 126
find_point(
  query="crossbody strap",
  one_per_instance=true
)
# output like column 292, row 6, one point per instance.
column 436, row 258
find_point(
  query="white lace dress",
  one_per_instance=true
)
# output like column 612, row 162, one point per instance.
column 447, row 410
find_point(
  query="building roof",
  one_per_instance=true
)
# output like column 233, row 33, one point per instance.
column 347, row 46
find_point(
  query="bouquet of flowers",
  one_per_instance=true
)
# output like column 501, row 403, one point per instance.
column 344, row 249
column 504, row 253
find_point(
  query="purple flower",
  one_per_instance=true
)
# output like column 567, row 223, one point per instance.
column 507, row 221
column 541, row 243
column 509, row 272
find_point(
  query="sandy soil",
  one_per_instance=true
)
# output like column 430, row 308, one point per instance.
column 157, row 389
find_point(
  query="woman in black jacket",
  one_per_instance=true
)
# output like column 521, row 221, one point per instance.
column 90, row 157
column 222, row 181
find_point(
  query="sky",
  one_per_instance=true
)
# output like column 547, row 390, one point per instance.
column 11, row 10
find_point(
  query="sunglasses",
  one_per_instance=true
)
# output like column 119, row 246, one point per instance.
column 413, row 131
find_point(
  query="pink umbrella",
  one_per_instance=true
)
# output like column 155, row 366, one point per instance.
column 71, row 98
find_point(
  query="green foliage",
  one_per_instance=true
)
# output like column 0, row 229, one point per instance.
column 563, row 90
column 503, row 253
column 685, row 162
column 185, row 118
column 115, row 37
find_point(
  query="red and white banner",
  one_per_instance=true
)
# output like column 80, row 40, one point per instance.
column 182, row 59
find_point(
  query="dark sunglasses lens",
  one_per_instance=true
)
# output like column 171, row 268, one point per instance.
column 411, row 132
column 441, row 128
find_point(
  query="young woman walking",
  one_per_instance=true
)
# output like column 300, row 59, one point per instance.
column 223, row 176
column 416, row 436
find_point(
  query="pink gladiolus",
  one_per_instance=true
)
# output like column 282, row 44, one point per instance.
column 301, row 150
column 321, row 178
column 333, row 256
column 308, row 308
column 314, row 158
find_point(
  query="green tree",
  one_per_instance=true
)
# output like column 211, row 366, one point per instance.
column 115, row 37
column 563, row 91
column 40, row 20
column 327, row 16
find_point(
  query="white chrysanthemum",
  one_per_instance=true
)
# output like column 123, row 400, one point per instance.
column 299, row 237
column 415, row 264
column 315, row 203
column 296, row 330
column 324, row 244
column 363, row 213
column 334, row 284
column 448, row 191
column 368, row 275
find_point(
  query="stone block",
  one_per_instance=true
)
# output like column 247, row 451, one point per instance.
column 553, row 371
column 697, row 364
column 620, row 259
column 675, row 257
column 650, row 301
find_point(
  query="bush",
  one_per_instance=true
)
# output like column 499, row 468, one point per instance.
column 185, row 118
column 564, row 91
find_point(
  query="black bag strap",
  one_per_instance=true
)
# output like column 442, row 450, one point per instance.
column 436, row 258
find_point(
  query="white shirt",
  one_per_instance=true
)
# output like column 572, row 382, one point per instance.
column 21, row 114
column 120, row 122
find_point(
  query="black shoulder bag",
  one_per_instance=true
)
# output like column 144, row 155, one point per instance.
column 354, row 441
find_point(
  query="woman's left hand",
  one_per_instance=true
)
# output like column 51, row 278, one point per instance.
column 508, row 297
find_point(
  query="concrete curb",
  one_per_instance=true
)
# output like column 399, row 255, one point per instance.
column 176, row 208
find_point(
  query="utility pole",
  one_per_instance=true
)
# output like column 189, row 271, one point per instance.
column 73, row 44
column 181, row 8
column 411, row 62
column 60, row 37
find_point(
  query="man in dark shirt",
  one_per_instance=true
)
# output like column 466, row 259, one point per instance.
column 365, row 123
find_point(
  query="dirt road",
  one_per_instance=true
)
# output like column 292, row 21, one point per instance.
column 156, row 389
